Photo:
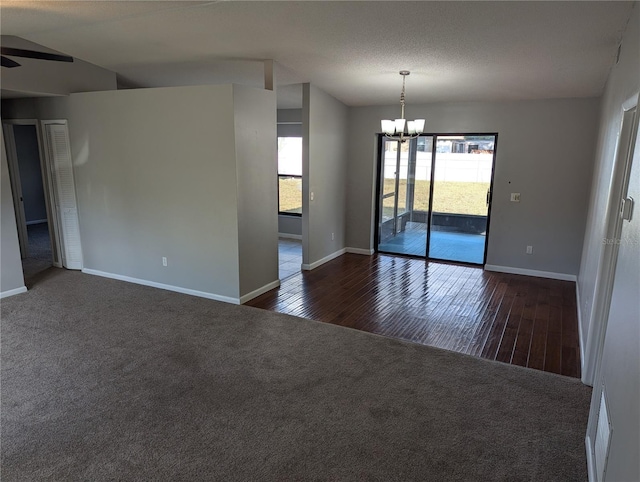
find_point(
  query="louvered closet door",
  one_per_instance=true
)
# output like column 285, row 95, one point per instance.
column 65, row 194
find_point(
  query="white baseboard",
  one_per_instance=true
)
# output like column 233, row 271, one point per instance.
column 326, row 259
column 367, row 252
column 259, row 291
column 36, row 221
column 531, row 272
column 17, row 291
column 290, row 236
column 153, row 284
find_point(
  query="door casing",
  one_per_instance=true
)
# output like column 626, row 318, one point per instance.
column 16, row 187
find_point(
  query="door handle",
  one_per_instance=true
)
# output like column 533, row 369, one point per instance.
column 488, row 196
column 626, row 209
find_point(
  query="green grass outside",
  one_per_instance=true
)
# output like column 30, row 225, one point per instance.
column 290, row 190
column 448, row 197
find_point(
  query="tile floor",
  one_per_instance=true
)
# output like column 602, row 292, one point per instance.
column 289, row 256
column 466, row 248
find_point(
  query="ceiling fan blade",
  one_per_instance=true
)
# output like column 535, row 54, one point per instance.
column 32, row 54
column 7, row 62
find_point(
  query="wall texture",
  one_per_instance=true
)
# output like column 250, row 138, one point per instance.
column 11, row 277
column 324, row 125
column 544, row 151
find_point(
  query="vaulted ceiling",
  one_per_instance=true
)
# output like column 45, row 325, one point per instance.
column 456, row 51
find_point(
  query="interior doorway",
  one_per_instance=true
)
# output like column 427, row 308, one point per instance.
column 47, row 143
column 26, row 169
column 291, row 202
column 434, row 196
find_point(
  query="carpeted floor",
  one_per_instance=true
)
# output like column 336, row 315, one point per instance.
column 105, row 380
column 40, row 256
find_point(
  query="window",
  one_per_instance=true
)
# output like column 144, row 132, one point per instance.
column 290, row 175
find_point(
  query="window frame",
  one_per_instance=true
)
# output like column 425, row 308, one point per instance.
column 285, row 213
column 295, row 176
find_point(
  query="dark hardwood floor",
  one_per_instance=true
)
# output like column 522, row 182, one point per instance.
column 515, row 319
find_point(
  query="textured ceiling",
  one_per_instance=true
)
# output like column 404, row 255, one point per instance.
column 353, row 50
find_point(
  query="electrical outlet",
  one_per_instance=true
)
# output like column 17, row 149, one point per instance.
column 164, row 261
column 311, row 196
column 529, row 249
column 333, row 236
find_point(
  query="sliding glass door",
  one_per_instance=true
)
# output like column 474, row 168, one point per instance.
column 461, row 197
column 435, row 194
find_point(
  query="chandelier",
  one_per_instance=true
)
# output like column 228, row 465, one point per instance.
column 395, row 129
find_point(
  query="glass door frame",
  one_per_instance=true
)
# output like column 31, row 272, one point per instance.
column 380, row 179
column 396, row 191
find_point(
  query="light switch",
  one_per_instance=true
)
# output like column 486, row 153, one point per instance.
column 515, row 197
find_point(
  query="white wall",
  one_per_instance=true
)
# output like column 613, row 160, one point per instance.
column 53, row 78
column 618, row 370
column 157, row 175
column 11, row 277
column 256, row 156
column 544, row 151
column 155, row 171
column 324, row 124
